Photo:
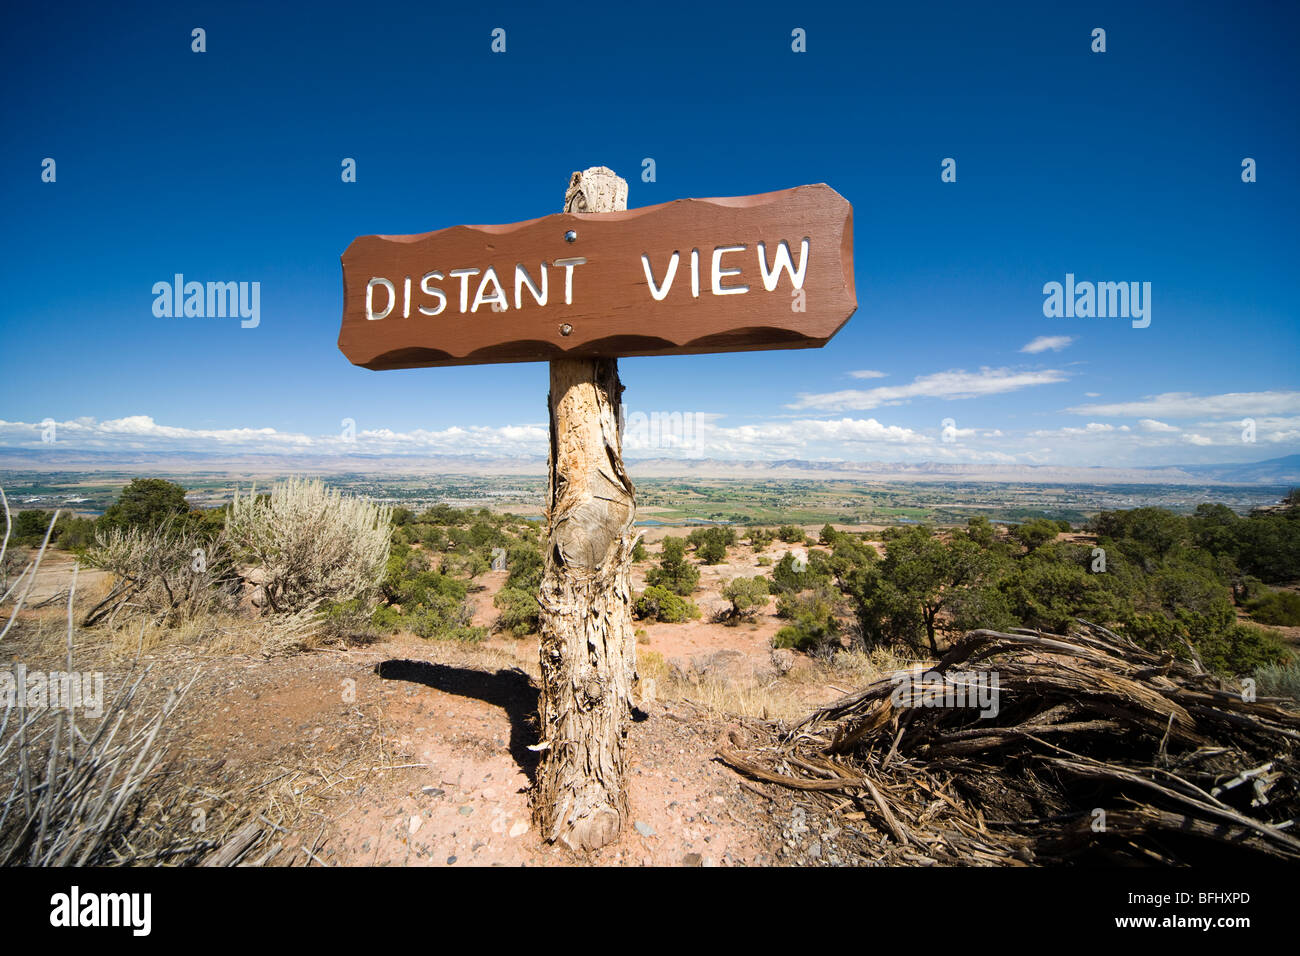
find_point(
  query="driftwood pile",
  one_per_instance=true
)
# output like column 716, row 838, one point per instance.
column 1096, row 751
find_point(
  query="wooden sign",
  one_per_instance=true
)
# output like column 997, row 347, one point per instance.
column 771, row 271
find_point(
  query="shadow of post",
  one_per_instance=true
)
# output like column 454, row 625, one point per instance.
column 512, row 690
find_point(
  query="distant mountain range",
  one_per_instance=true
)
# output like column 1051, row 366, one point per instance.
column 1274, row 471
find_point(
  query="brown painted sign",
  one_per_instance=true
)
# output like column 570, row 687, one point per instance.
column 771, row 271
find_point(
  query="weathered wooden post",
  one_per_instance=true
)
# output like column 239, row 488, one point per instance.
column 593, row 283
column 588, row 653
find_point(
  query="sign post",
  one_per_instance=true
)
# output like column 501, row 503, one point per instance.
column 579, row 289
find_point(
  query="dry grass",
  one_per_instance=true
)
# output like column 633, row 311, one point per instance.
column 73, row 791
column 763, row 693
column 1280, row 680
column 216, row 635
column 41, row 637
column 87, row 788
column 76, row 784
column 852, row 668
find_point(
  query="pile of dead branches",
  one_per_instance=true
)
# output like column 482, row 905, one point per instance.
column 1028, row 747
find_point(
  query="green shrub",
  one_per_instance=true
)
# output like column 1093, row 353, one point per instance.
column 984, row 606
column 520, row 612
column 724, row 533
column 747, row 596
column 1280, row 608
column 348, row 621
column 29, row 528
column 77, row 534
column 658, row 603
column 1049, row 595
column 1241, row 649
column 674, row 572
column 1034, row 534
column 1279, row 680
column 980, row 530
column 428, row 603
column 790, row 534
column 433, row 537
column 465, row 564
column 711, row 544
column 1245, row 588
column 814, row 623
column 816, row 573
column 442, row 618
column 146, row 502
column 524, row 566
column 1225, row 647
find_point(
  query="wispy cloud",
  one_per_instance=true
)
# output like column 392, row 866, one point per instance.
column 953, row 384
column 868, row 373
column 1151, row 425
column 143, row 433
column 1045, row 343
column 1089, row 430
column 1190, row 405
column 819, row 437
column 1142, row 442
column 695, row 433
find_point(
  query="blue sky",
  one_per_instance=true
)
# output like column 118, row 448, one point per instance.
column 225, row 165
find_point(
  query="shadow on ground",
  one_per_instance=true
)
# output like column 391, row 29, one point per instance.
column 512, row 690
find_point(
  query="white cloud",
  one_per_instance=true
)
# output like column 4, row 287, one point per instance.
column 1147, row 442
column 142, row 433
column 142, row 430
column 1272, row 429
column 953, row 384
column 787, row 439
column 1045, row 342
column 1151, row 425
column 1189, row 405
column 868, row 373
column 1092, row 428
column 693, row 434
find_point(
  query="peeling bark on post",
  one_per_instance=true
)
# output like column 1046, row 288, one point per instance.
column 588, row 652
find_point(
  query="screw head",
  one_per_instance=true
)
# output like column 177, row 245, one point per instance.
column 566, row 329
column 570, row 236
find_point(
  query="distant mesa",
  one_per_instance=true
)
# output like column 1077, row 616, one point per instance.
column 1273, row 472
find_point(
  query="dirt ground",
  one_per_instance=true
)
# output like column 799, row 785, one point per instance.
column 414, row 752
